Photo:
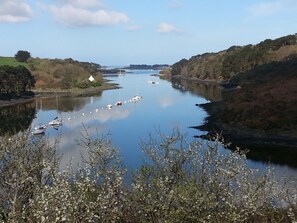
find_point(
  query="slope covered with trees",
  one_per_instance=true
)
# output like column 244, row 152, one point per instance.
column 15, row 80
column 52, row 73
column 225, row 64
column 64, row 74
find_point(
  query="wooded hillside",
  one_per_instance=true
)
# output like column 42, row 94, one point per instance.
column 63, row 74
column 58, row 73
column 222, row 65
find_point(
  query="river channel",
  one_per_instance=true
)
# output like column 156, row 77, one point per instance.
column 162, row 107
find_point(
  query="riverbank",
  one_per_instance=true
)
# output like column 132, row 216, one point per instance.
column 46, row 93
column 241, row 135
column 197, row 80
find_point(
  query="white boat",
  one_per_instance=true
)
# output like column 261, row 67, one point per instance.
column 55, row 122
column 109, row 106
column 120, row 73
column 40, row 127
column 136, row 98
column 38, row 132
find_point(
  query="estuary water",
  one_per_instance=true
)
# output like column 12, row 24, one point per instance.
column 162, row 107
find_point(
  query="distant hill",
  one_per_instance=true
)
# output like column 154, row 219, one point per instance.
column 223, row 65
column 147, row 67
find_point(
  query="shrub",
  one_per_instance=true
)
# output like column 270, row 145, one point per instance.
column 178, row 182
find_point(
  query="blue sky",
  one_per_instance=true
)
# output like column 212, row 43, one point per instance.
column 122, row 32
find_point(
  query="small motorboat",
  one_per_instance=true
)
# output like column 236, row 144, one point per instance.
column 118, row 103
column 109, row 106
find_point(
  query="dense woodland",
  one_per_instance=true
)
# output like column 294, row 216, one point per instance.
column 15, row 80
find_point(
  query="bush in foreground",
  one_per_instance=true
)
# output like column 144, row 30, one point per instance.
column 178, row 182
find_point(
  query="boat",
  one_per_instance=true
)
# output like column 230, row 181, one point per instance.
column 153, row 82
column 120, row 73
column 118, row 103
column 40, row 127
column 136, row 98
column 109, row 106
column 38, row 131
column 55, row 122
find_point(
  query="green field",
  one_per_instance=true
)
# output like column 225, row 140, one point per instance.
column 10, row 61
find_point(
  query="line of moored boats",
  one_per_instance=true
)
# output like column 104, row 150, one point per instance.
column 55, row 123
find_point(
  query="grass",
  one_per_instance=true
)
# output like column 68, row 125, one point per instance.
column 10, row 61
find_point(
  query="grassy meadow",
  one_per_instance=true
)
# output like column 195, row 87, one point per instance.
column 11, row 61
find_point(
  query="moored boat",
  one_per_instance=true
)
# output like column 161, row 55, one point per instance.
column 55, row 122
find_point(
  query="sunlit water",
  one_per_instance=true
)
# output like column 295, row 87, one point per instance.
column 163, row 107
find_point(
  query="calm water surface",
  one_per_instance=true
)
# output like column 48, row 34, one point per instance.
column 164, row 106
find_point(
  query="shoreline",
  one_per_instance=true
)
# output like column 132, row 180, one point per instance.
column 197, row 80
column 47, row 93
column 240, row 135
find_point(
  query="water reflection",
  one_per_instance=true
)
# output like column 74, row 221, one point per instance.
column 65, row 104
column 272, row 154
column 14, row 119
column 279, row 155
column 210, row 92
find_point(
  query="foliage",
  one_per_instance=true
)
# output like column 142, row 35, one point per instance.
column 22, row 56
column 15, row 80
column 179, row 182
column 25, row 166
column 176, row 68
column 64, row 74
column 87, row 84
column 223, row 65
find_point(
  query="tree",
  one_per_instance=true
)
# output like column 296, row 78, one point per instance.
column 15, row 79
column 22, row 56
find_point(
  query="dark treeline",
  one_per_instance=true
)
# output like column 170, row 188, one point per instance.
column 147, row 67
column 15, row 80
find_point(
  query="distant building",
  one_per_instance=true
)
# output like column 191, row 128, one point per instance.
column 91, row 78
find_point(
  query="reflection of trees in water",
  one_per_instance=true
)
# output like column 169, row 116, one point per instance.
column 63, row 104
column 16, row 118
column 209, row 91
column 272, row 154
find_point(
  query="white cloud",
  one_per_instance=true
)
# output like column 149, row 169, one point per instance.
column 166, row 102
column 81, row 13
column 167, row 28
column 76, row 17
column 13, row 11
column 82, row 3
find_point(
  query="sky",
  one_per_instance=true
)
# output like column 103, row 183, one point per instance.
column 123, row 32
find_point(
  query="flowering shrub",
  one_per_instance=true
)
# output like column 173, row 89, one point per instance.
column 178, row 182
